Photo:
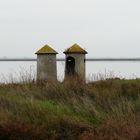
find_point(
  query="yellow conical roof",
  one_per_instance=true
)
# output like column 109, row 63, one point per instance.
column 46, row 50
column 75, row 49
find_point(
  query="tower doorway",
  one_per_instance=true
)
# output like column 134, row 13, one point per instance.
column 70, row 66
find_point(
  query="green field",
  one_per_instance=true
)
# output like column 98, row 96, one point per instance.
column 72, row 110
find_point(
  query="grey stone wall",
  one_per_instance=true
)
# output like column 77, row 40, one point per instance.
column 79, row 64
column 46, row 67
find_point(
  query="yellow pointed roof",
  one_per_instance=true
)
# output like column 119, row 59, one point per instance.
column 75, row 49
column 46, row 50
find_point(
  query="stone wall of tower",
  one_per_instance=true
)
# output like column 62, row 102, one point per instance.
column 46, row 67
column 79, row 64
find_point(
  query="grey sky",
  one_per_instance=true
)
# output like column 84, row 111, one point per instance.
column 106, row 28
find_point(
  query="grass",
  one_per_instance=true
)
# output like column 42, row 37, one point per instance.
column 71, row 110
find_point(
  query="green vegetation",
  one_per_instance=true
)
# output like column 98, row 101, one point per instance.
column 72, row 110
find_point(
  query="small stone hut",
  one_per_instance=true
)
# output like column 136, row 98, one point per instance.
column 75, row 61
column 46, row 64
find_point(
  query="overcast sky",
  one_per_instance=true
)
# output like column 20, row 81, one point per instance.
column 106, row 28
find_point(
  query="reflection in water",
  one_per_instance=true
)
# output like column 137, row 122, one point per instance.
column 11, row 71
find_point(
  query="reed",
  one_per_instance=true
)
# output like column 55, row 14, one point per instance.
column 101, row 110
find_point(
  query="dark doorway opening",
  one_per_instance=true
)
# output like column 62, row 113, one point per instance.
column 70, row 66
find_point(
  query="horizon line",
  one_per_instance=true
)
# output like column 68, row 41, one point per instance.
column 63, row 59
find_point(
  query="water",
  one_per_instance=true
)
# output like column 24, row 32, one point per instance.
column 10, row 71
column 112, row 69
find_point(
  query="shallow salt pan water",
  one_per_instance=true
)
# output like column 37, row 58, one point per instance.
column 10, row 71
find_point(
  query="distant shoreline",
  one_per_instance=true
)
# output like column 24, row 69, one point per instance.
column 62, row 59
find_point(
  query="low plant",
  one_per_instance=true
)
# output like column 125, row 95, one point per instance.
column 70, row 110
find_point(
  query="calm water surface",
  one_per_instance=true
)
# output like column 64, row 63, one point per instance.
column 94, row 70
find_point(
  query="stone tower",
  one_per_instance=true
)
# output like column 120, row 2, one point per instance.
column 46, row 64
column 75, row 61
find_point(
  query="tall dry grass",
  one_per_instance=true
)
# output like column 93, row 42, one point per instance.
column 70, row 110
